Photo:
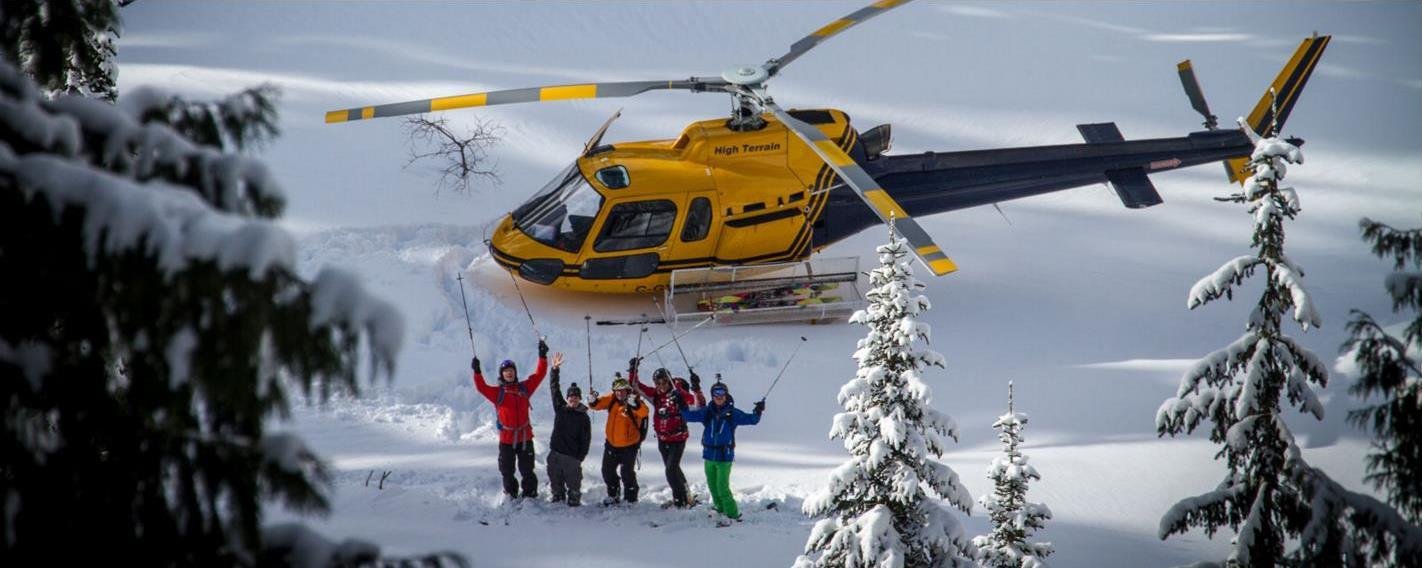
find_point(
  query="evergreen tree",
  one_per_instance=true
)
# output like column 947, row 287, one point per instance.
column 1239, row 388
column 66, row 45
column 1389, row 367
column 154, row 321
column 1270, row 495
column 879, row 506
column 1013, row 518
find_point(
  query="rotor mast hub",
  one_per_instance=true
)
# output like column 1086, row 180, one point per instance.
column 749, row 75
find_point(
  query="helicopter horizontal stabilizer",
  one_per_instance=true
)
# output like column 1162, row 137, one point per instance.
column 1131, row 184
column 1134, row 188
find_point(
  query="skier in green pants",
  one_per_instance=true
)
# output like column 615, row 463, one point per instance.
column 718, row 443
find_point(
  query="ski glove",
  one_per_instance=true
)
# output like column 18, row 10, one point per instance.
column 632, row 363
column 475, row 365
column 759, row 407
column 542, row 349
column 695, row 381
column 593, row 393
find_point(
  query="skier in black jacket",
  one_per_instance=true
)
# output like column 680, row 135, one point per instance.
column 572, row 434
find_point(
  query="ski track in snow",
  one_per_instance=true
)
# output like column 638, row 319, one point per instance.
column 1105, row 474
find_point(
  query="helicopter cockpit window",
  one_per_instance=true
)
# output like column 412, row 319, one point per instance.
column 614, row 177
column 698, row 220
column 561, row 214
column 636, row 225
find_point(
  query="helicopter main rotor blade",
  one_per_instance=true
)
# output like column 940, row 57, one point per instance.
column 529, row 95
column 830, row 30
column 869, row 190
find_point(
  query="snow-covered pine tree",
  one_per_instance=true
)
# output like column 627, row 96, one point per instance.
column 67, row 46
column 879, row 506
column 153, row 322
column 1389, row 367
column 1013, row 518
column 1270, row 494
column 1239, row 388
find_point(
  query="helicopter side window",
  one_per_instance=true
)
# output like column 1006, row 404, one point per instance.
column 614, row 177
column 636, row 225
column 562, row 214
column 698, row 220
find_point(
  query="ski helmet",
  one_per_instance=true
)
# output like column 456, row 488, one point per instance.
column 661, row 374
column 719, row 389
column 573, row 390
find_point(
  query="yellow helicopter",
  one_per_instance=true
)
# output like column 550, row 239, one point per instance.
column 770, row 185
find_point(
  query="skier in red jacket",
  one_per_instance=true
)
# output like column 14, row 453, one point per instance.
column 669, row 425
column 511, row 398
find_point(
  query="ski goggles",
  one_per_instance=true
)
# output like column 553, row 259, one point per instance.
column 718, row 391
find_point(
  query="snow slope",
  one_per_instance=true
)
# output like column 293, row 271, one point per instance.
column 1078, row 300
column 1105, row 475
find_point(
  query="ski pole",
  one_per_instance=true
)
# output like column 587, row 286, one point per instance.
column 673, row 334
column 782, row 369
column 641, row 332
column 679, row 335
column 525, row 306
column 460, row 278
column 587, row 321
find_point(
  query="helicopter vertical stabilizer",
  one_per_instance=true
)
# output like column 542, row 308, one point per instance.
column 1278, row 101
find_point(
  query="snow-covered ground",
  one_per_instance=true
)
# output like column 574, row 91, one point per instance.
column 1105, row 474
column 1078, row 300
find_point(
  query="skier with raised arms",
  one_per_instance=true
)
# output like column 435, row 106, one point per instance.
column 511, row 398
column 568, row 445
column 626, row 414
column 669, row 426
column 718, row 443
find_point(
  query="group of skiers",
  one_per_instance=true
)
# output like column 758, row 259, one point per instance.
column 671, row 402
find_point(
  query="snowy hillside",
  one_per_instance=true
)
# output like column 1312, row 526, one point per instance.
column 1079, row 301
column 1106, row 476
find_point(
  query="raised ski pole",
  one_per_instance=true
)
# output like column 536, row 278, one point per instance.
column 587, row 321
column 460, row 278
column 641, row 332
column 673, row 334
column 782, row 369
column 679, row 335
column 525, row 306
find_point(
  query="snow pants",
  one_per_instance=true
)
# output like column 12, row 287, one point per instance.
column 522, row 453
column 718, row 478
column 671, row 458
column 565, row 478
column 623, row 460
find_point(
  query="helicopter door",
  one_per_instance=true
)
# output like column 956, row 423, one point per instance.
column 634, row 238
column 696, row 235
